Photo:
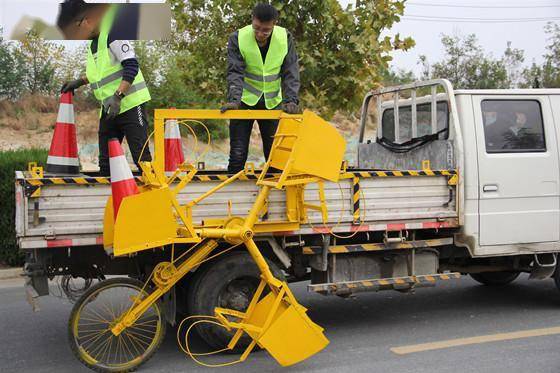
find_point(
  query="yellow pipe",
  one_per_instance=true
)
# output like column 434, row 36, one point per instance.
column 219, row 233
column 216, row 114
column 261, row 263
column 216, row 188
column 159, row 148
column 257, row 207
column 132, row 314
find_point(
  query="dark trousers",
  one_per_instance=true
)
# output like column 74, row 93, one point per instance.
column 133, row 125
column 240, row 134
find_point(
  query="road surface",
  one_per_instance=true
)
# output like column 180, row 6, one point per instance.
column 509, row 329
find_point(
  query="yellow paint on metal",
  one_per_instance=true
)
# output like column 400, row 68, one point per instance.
column 80, row 180
column 58, row 181
column 102, row 180
column 280, row 325
column 108, row 224
column 298, row 149
column 144, row 221
column 198, row 114
column 453, row 180
column 36, row 193
column 34, row 182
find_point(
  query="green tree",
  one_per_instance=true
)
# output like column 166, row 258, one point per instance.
column 41, row 60
column 11, row 73
column 546, row 75
column 342, row 51
column 467, row 65
column 392, row 76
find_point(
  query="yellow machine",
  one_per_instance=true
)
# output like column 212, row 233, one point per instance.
column 121, row 338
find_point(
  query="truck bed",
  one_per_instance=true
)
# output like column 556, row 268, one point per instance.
column 68, row 211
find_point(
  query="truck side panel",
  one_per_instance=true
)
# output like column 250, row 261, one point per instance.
column 71, row 209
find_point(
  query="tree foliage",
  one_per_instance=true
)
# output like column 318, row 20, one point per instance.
column 546, row 75
column 41, row 61
column 342, row 51
column 467, row 66
column 11, row 71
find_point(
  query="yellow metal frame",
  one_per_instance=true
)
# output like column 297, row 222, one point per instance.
column 278, row 315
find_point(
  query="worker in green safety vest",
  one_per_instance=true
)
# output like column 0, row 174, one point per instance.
column 262, row 74
column 114, row 75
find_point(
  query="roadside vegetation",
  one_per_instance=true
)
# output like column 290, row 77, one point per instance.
column 10, row 161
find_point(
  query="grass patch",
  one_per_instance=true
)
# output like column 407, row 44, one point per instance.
column 10, row 162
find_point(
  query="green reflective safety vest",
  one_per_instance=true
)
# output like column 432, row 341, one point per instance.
column 263, row 78
column 105, row 76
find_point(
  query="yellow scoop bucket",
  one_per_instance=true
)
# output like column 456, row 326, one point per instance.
column 278, row 324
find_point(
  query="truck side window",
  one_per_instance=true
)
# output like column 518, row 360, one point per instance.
column 513, row 126
column 423, row 121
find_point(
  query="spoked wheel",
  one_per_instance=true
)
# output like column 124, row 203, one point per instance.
column 97, row 311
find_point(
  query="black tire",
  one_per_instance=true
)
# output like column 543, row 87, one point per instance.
column 229, row 282
column 495, row 278
column 90, row 296
column 556, row 277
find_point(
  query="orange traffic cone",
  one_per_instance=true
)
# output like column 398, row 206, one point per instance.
column 122, row 181
column 173, row 146
column 63, row 154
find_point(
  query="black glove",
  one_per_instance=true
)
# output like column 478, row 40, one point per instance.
column 229, row 106
column 112, row 107
column 72, row 85
column 290, row 108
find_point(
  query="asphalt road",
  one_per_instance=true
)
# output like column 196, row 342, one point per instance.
column 362, row 331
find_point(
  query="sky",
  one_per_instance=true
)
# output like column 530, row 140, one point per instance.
column 493, row 36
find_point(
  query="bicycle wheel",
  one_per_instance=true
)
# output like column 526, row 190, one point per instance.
column 97, row 311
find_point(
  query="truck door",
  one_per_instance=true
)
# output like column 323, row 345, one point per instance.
column 518, row 170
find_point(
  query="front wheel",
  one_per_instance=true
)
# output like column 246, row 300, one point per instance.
column 97, row 311
column 494, row 278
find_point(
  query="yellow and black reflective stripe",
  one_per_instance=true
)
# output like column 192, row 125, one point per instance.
column 382, row 283
column 369, row 174
column 346, row 249
column 356, row 200
column 89, row 180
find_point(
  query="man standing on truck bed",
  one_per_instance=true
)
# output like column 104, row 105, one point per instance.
column 262, row 74
column 114, row 75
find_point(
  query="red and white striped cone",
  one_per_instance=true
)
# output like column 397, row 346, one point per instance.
column 122, row 181
column 173, row 147
column 63, row 154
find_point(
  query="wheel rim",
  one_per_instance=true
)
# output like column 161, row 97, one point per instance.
column 238, row 293
column 96, row 315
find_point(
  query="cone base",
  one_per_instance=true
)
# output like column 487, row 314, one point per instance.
column 62, row 169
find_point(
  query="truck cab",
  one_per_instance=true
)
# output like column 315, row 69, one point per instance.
column 504, row 144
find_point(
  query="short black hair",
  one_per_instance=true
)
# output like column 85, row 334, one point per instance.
column 71, row 10
column 265, row 12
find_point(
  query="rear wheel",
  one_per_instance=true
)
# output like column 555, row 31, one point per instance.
column 230, row 282
column 556, row 277
column 495, row 278
column 97, row 311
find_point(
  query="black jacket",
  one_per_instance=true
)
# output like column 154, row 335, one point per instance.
column 236, row 70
